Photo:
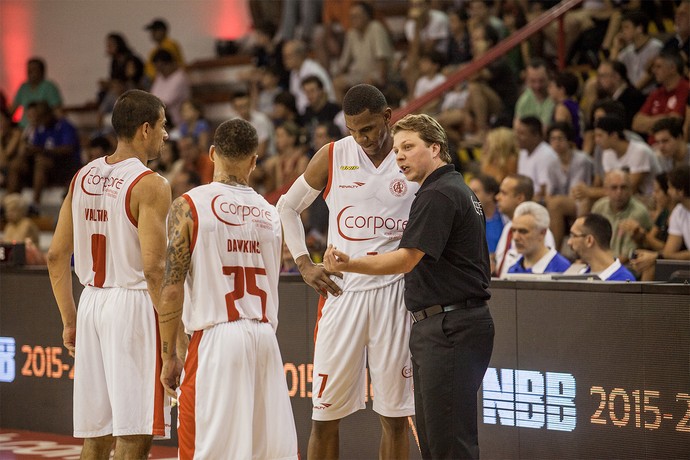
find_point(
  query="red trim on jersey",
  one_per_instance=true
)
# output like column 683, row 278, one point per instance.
column 330, row 170
column 74, row 181
column 319, row 314
column 195, row 219
column 186, row 432
column 158, row 428
column 128, row 197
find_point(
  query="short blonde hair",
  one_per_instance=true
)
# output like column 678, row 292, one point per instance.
column 500, row 145
column 428, row 129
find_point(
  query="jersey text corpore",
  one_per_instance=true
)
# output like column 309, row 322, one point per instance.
column 367, row 227
column 235, row 214
column 94, row 184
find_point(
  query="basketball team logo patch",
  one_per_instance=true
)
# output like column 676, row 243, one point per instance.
column 398, row 187
column 477, row 206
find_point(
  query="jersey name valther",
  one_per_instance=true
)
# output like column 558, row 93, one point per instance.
column 96, row 215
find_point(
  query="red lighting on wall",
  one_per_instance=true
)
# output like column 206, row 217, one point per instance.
column 233, row 20
column 16, row 33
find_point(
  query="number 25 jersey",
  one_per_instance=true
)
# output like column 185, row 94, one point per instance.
column 235, row 249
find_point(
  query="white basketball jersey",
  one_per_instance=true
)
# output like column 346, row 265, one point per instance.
column 368, row 208
column 235, row 257
column 106, row 244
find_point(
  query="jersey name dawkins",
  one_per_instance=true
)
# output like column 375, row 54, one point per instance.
column 248, row 246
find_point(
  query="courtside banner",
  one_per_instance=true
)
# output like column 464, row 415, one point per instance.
column 579, row 369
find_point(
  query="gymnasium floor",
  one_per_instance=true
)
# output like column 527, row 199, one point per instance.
column 30, row 445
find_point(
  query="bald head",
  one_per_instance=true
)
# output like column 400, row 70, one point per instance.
column 294, row 54
column 618, row 189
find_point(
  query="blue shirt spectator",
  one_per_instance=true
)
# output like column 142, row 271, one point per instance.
column 552, row 262
column 529, row 227
column 614, row 272
column 485, row 187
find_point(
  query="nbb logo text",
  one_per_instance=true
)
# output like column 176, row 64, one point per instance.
column 529, row 399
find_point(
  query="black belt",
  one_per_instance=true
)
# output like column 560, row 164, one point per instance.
column 417, row 316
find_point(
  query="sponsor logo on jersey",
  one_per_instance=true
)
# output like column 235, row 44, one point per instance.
column 367, row 227
column 322, row 406
column 236, row 214
column 352, row 185
column 349, row 168
column 398, row 187
column 95, row 185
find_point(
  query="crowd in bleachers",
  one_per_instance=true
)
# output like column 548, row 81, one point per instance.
column 605, row 135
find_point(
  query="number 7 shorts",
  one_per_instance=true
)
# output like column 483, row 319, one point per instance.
column 354, row 328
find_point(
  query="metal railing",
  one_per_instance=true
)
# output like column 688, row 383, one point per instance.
column 555, row 13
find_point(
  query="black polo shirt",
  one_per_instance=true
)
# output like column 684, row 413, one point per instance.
column 447, row 223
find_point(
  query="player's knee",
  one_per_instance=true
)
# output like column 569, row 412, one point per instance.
column 321, row 428
column 394, row 425
column 133, row 446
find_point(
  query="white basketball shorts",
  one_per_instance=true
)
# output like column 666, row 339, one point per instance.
column 234, row 400
column 354, row 327
column 117, row 366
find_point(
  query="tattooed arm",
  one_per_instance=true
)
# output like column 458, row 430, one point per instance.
column 180, row 224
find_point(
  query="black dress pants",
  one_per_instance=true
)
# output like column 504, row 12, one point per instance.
column 450, row 355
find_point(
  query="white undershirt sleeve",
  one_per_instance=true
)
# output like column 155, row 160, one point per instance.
column 300, row 196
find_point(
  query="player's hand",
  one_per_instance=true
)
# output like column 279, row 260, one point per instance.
column 335, row 260
column 170, row 375
column 69, row 334
column 318, row 277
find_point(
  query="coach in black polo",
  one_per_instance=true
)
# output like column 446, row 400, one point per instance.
column 444, row 255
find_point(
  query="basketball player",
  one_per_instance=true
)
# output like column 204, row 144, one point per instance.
column 224, row 252
column 113, row 220
column 369, row 202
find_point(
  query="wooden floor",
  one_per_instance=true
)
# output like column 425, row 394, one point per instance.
column 26, row 445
